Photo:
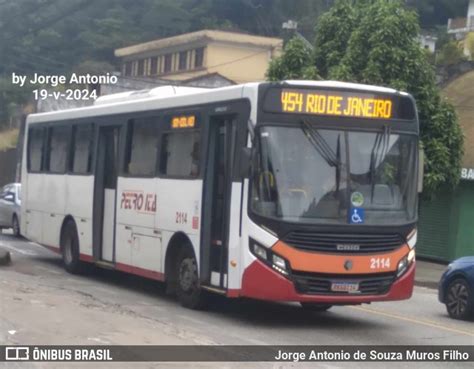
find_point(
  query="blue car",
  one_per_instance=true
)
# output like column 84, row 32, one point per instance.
column 456, row 288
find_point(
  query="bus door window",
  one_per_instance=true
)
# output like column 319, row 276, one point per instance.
column 111, row 158
column 223, row 134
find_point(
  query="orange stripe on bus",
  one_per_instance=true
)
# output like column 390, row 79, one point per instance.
column 334, row 264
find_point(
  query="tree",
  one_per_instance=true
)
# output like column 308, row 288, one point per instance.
column 470, row 45
column 296, row 62
column 380, row 48
column 450, row 54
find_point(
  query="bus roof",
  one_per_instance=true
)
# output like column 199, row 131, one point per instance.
column 164, row 97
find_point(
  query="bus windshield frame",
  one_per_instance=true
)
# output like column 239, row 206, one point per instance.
column 353, row 169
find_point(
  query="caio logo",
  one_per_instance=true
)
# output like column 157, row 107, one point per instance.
column 348, row 265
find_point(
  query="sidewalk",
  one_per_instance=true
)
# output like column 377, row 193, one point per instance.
column 428, row 273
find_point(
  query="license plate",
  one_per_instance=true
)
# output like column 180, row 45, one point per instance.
column 350, row 287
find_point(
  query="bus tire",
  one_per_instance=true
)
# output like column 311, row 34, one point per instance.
column 70, row 248
column 311, row 306
column 188, row 290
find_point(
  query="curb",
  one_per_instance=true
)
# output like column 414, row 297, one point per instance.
column 5, row 258
column 428, row 284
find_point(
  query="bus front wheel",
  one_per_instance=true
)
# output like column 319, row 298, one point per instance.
column 311, row 306
column 70, row 248
column 188, row 290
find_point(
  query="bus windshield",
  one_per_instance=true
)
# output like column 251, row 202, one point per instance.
column 326, row 176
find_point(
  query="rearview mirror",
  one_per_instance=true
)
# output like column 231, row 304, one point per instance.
column 245, row 162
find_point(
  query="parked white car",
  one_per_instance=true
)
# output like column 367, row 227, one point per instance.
column 10, row 203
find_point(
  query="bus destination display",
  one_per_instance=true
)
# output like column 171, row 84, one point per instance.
column 323, row 103
column 188, row 121
column 338, row 103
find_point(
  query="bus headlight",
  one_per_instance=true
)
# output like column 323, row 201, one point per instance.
column 273, row 260
column 405, row 263
column 402, row 266
column 260, row 251
column 279, row 264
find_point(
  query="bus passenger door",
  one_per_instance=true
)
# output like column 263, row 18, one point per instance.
column 218, row 181
column 105, row 193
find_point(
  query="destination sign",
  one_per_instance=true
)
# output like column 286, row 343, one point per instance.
column 338, row 103
column 187, row 121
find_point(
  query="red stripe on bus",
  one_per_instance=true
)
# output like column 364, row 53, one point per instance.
column 53, row 249
column 140, row 271
column 233, row 293
column 86, row 258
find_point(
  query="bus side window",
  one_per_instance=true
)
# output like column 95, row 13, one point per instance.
column 180, row 154
column 82, row 149
column 57, row 149
column 143, row 147
column 35, row 149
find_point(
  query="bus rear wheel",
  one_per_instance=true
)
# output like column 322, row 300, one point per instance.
column 70, row 248
column 188, row 288
column 311, row 306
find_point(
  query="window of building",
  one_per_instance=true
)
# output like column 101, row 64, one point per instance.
column 183, row 60
column 154, row 66
column 141, row 67
column 143, row 147
column 58, row 144
column 128, row 68
column 82, row 149
column 180, row 154
column 199, row 57
column 35, row 149
column 168, row 60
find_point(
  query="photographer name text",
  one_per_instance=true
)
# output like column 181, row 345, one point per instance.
column 57, row 80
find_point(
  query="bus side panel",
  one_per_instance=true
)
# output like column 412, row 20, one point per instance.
column 136, row 242
column 79, row 190
column 235, row 242
column 178, row 209
column 53, row 203
column 33, row 204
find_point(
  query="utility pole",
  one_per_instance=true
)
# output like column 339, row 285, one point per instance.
column 291, row 27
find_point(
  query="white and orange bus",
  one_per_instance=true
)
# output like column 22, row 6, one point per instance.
column 293, row 191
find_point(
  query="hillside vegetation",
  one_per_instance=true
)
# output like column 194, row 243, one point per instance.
column 461, row 94
column 8, row 139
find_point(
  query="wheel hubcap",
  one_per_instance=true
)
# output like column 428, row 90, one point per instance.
column 187, row 274
column 16, row 227
column 457, row 299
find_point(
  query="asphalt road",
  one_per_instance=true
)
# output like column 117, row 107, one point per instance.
column 42, row 304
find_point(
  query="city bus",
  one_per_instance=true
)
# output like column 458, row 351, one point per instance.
column 302, row 191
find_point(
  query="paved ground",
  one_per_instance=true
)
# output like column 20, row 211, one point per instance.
column 41, row 304
column 428, row 274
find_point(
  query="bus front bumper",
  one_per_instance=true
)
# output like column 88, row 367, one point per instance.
column 263, row 283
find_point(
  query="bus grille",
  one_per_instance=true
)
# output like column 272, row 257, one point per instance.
column 343, row 243
column 320, row 284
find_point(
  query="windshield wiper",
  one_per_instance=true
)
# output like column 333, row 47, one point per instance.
column 320, row 144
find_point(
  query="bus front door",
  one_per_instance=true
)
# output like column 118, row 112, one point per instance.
column 218, row 178
column 105, row 193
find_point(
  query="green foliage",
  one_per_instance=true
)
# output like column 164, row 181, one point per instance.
column 331, row 44
column 295, row 63
column 451, row 53
column 379, row 47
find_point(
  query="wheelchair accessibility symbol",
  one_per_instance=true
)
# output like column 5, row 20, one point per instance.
column 357, row 216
